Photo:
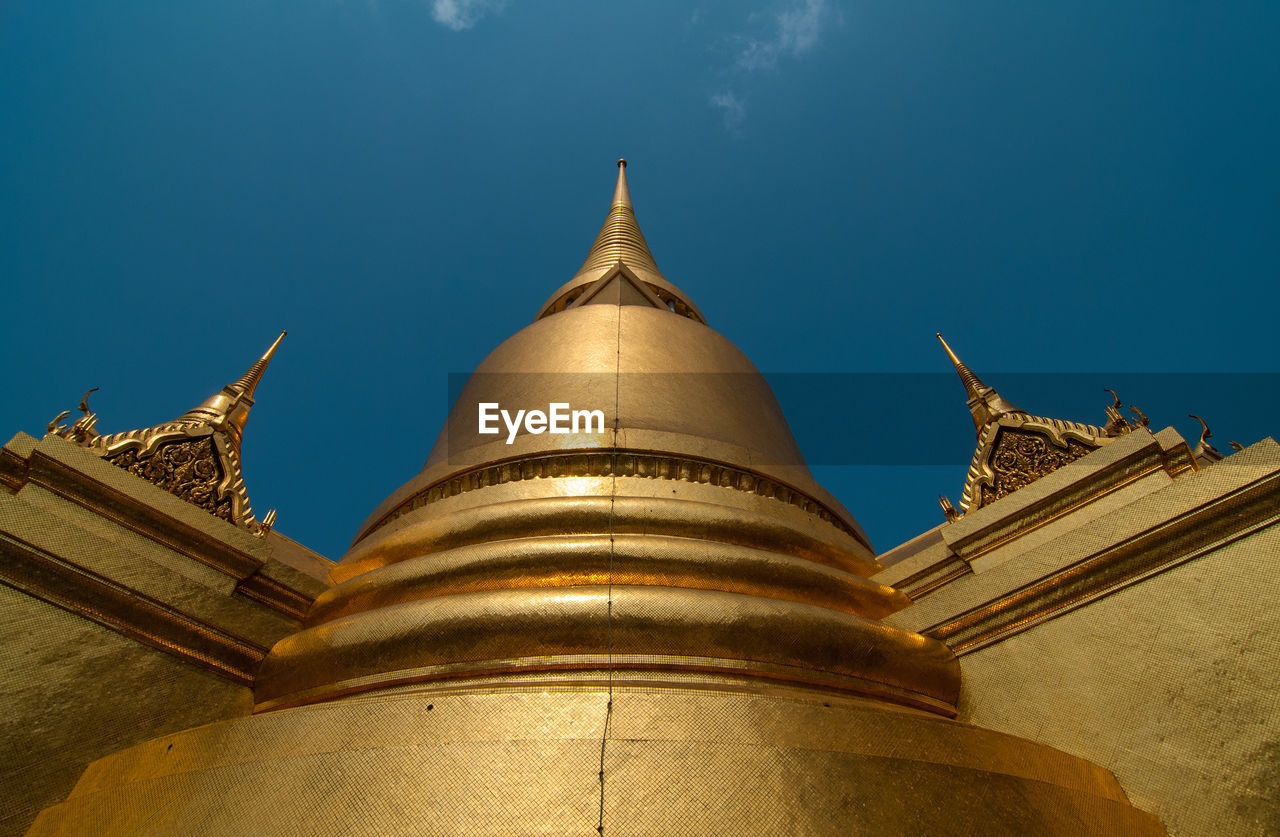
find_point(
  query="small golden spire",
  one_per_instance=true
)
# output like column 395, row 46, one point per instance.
column 973, row 387
column 228, row 410
column 985, row 404
column 249, row 380
column 621, row 194
column 620, row 239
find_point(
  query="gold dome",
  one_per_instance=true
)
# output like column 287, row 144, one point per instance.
column 689, row 530
column 667, row 385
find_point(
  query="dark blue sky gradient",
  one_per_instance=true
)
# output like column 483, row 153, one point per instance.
column 1074, row 188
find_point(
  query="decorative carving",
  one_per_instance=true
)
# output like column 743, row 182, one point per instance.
column 609, row 463
column 948, row 510
column 1015, row 448
column 83, row 432
column 195, row 457
column 1065, row 441
column 189, row 469
column 1019, row 458
column 1203, row 450
column 1117, row 424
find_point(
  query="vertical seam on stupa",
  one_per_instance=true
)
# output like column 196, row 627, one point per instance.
column 613, row 499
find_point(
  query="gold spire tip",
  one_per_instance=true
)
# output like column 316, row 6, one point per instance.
column 985, row 404
column 946, row 347
column 249, row 380
column 622, row 162
column 973, row 386
column 621, row 194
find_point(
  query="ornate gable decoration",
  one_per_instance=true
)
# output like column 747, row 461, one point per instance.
column 196, row 457
column 1015, row 448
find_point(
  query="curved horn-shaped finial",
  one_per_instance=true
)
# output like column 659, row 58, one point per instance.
column 54, row 426
column 84, row 402
column 1205, row 432
column 1204, row 450
column 1116, row 424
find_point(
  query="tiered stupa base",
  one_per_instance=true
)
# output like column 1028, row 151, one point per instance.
column 479, row 760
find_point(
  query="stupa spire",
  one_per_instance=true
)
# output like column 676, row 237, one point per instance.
column 621, row 194
column 985, row 404
column 249, row 380
column 228, row 409
column 620, row 239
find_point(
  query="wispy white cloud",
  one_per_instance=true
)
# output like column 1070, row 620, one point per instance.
column 791, row 33
column 796, row 30
column 463, row 14
column 735, row 110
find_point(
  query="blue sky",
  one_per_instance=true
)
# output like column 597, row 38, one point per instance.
column 1086, row 188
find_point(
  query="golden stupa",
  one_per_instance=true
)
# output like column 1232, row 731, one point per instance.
column 667, row 627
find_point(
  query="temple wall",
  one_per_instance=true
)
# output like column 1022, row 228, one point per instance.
column 1126, row 618
column 127, row 614
column 75, row 691
column 1171, row 684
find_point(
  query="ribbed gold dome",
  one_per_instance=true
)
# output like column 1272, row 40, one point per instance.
column 667, row 385
column 687, row 538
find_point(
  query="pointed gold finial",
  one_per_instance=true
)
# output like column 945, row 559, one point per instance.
column 985, row 404
column 621, row 194
column 973, row 387
column 228, row 410
column 620, row 239
column 249, row 380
